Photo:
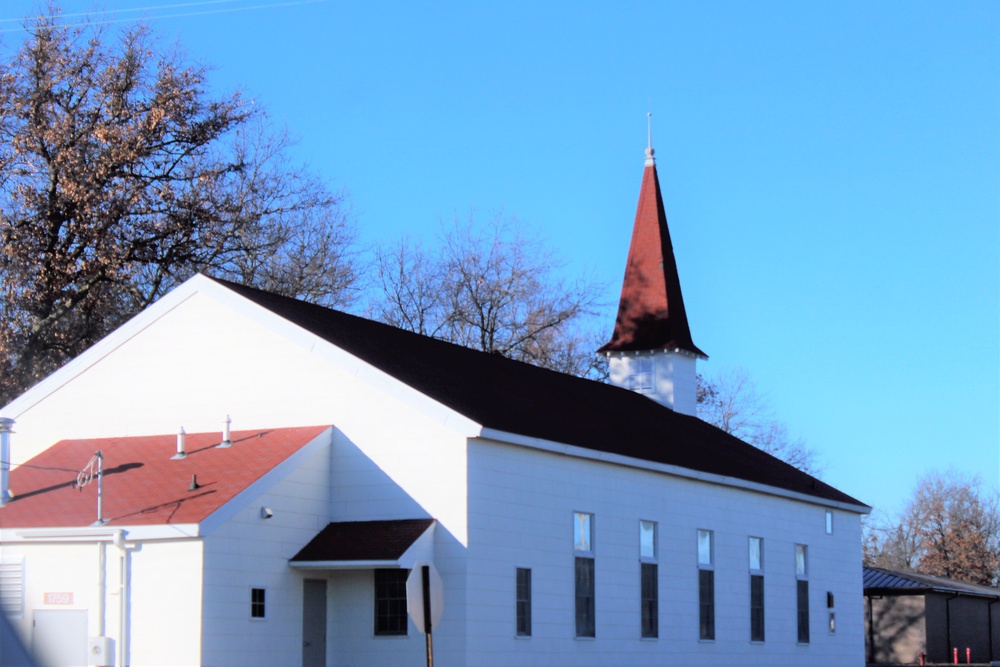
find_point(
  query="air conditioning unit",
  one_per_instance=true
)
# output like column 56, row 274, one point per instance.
column 101, row 651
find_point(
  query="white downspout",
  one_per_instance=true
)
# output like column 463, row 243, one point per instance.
column 5, row 430
column 124, row 575
column 102, row 587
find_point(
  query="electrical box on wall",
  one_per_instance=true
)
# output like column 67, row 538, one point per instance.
column 101, row 651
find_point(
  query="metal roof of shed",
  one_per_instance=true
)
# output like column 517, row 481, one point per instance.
column 880, row 581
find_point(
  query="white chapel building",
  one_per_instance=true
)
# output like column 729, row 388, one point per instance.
column 270, row 471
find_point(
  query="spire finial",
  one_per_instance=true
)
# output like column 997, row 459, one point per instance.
column 649, row 139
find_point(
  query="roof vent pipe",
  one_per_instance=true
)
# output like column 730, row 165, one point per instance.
column 6, row 425
column 226, row 440
column 181, row 453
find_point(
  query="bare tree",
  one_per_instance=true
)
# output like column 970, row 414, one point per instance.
column 890, row 544
column 949, row 528
column 491, row 287
column 732, row 402
column 120, row 177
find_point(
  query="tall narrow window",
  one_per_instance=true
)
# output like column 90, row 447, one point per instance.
column 523, row 604
column 649, row 580
column 802, row 591
column 756, row 589
column 390, row 602
column 583, row 546
column 832, row 620
column 829, row 522
column 585, row 625
column 258, row 609
column 706, row 585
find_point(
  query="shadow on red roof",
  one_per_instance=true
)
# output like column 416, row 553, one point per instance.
column 142, row 484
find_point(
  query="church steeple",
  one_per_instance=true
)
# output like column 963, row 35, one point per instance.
column 652, row 323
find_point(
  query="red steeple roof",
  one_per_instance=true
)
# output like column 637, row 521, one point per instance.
column 651, row 312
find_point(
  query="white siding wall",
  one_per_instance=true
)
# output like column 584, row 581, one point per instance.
column 396, row 457
column 351, row 618
column 165, row 594
column 521, row 511
column 362, row 491
column 203, row 361
column 251, row 552
column 166, row 603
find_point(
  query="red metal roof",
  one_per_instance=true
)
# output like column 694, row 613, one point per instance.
column 142, row 484
column 651, row 313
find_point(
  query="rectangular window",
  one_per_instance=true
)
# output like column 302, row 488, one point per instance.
column 800, row 562
column 803, row 606
column 802, row 591
column 756, row 557
column 647, row 540
column 390, row 602
column 756, row 554
column 523, row 603
column 706, row 604
column 650, row 600
column 640, row 376
column 756, row 607
column 257, row 606
column 648, row 581
column 585, row 622
column 583, row 532
column 706, row 585
column 705, row 548
column 829, row 522
column 833, row 619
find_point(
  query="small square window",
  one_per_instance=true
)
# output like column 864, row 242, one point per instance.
column 257, row 603
column 640, row 377
column 583, row 532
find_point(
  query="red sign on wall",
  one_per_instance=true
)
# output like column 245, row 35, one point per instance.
column 58, row 598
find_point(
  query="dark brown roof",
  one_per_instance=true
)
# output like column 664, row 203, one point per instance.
column 515, row 397
column 880, row 581
column 142, row 484
column 363, row 540
column 651, row 313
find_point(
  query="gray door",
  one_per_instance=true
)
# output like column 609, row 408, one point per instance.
column 314, row 623
column 59, row 638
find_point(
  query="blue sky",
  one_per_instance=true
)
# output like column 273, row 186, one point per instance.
column 830, row 170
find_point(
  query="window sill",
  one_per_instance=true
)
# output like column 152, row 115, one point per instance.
column 522, row 636
column 585, row 639
column 649, row 639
